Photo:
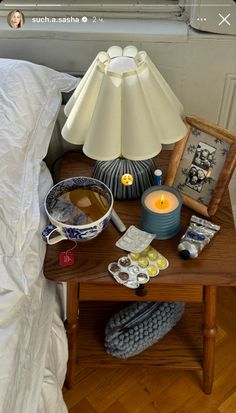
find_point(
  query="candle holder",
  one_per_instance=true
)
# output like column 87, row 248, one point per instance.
column 160, row 215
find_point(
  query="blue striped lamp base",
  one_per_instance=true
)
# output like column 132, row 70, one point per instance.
column 111, row 172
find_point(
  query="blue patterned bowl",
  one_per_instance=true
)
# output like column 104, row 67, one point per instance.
column 59, row 231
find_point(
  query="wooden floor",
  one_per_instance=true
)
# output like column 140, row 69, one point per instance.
column 152, row 390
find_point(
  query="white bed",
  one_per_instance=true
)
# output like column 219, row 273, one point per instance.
column 33, row 345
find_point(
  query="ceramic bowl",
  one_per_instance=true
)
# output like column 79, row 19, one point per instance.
column 58, row 230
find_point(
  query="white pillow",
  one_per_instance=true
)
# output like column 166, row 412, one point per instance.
column 30, row 98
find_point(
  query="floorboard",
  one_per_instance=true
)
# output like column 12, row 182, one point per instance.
column 140, row 389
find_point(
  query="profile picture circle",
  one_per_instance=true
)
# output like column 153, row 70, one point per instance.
column 16, row 19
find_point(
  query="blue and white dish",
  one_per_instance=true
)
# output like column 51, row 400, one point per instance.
column 75, row 232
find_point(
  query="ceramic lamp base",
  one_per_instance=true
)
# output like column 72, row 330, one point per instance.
column 111, row 172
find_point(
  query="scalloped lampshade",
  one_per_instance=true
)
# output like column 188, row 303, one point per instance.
column 123, row 108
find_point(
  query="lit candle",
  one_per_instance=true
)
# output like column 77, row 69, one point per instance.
column 160, row 213
column 161, row 201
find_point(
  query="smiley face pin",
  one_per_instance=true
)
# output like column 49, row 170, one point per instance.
column 127, row 179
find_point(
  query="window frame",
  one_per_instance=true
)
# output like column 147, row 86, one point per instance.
column 132, row 9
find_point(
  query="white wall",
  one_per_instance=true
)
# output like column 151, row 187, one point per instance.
column 198, row 71
column 200, row 67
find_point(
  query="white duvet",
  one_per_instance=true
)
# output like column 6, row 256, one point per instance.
column 33, row 346
column 30, row 98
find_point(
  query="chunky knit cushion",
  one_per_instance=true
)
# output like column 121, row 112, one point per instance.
column 138, row 326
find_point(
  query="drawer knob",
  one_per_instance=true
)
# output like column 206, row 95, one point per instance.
column 141, row 290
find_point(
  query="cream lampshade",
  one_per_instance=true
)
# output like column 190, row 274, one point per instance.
column 123, row 110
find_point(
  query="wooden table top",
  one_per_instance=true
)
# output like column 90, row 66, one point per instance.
column 216, row 264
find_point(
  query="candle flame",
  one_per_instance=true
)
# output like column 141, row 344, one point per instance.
column 162, row 202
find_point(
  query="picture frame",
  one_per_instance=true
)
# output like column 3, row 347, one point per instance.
column 202, row 164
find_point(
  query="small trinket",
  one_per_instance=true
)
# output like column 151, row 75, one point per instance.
column 133, row 270
column 124, row 261
column 124, row 276
column 157, row 177
column 152, row 270
column 143, row 262
column 142, row 278
column 113, row 267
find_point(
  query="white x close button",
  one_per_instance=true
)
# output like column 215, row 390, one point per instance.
column 224, row 19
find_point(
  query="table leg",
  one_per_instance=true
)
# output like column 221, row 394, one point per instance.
column 209, row 333
column 71, row 331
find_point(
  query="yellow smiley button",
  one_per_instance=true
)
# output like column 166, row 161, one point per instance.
column 127, row 179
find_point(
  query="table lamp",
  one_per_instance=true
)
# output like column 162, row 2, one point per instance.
column 122, row 112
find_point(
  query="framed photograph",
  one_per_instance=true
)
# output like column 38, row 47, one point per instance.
column 202, row 164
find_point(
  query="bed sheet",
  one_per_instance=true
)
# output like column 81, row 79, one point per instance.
column 33, row 345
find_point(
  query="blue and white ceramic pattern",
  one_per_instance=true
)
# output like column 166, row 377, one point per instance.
column 75, row 232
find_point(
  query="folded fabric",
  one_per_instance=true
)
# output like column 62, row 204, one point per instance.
column 140, row 325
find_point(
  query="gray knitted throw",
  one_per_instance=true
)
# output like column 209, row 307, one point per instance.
column 140, row 325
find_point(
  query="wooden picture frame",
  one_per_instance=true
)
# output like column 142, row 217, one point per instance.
column 202, row 164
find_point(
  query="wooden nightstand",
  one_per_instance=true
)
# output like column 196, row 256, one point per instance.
column 90, row 287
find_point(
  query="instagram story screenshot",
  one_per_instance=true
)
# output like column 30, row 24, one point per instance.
column 117, row 206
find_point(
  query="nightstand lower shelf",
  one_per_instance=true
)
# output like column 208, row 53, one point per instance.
column 180, row 348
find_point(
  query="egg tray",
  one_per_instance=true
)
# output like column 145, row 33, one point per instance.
column 135, row 269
